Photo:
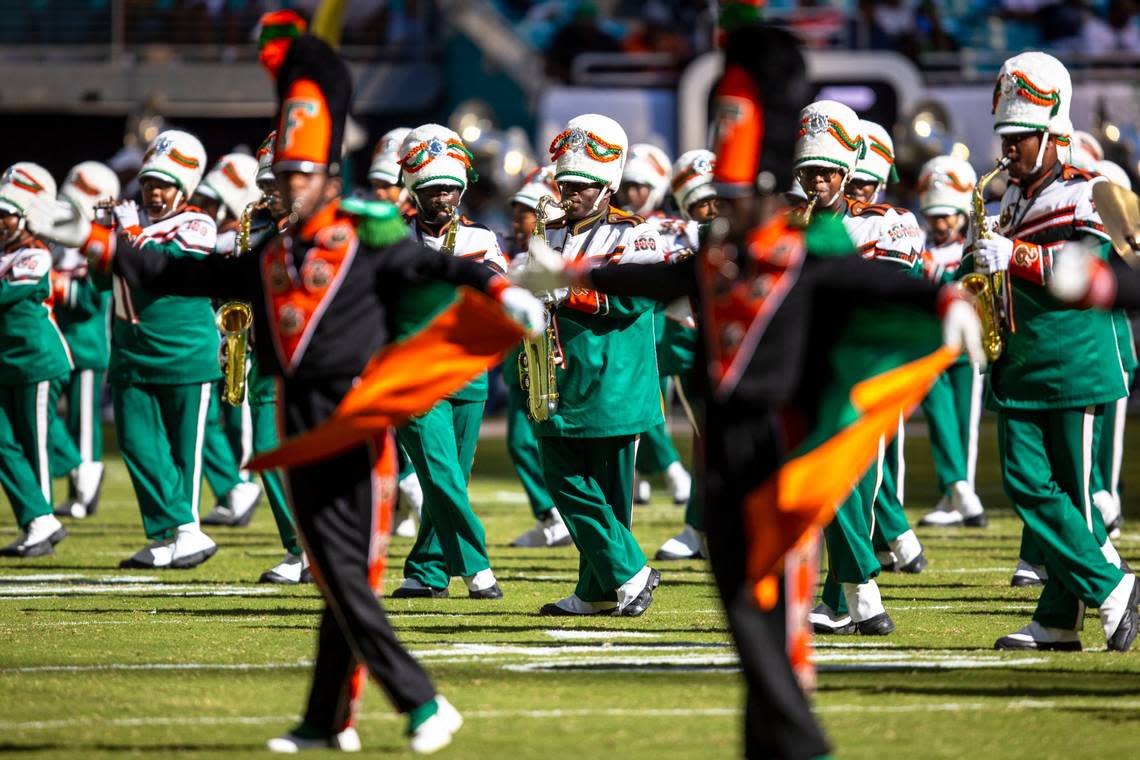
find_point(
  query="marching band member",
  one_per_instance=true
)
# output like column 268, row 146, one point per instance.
column 1110, row 449
column 757, row 394
column 163, row 352
column 607, row 383
column 324, row 296
column 827, row 150
column 441, row 444
column 953, row 408
column 896, row 544
column 34, row 361
column 644, row 185
column 223, row 194
column 695, row 194
column 384, row 177
column 522, row 446
column 1050, row 400
column 81, row 311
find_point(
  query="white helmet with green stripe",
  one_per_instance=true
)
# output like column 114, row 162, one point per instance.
column 433, row 155
column 176, row 157
column 829, row 136
column 878, row 161
column 22, row 185
column 592, row 148
column 946, row 186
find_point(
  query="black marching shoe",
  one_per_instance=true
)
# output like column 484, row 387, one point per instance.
column 879, row 625
column 642, row 601
column 1037, row 638
column 977, row 521
column 915, row 566
column 426, row 592
column 494, row 592
column 1125, row 635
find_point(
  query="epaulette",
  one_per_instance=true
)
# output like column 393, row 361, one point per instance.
column 617, row 216
column 859, row 208
column 1069, row 173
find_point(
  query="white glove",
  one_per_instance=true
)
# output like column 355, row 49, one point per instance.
column 127, row 215
column 1072, row 273
column 524, row 308
column 992, row 254
column 543, row 269
column 57, row 222
column 962, row 331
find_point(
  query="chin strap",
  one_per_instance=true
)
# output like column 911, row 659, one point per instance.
column 603, row 198
column 1045, row 137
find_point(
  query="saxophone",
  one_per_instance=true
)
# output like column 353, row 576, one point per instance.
column 448, row 246
column 992, row 296
column 539, row 358
column 233, row 319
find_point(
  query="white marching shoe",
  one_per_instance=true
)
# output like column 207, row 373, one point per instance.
column 86, row 482
column 1109, row 508
column 680, row 482
column 293, row 568
column 548, row 532
column 642, row 491
column 191, row 547
column 409, row 506
column 292, row 743
column 38, row 539
column 688, row 544
column 959, row 507
column 1039, row 638
column 1119, row 614
column 435, row 733
column 238, row 508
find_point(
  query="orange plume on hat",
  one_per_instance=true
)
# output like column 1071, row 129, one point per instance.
column 277, row 30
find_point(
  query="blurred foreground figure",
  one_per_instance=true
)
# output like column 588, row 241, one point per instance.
column 325, row 297
column 783, row 436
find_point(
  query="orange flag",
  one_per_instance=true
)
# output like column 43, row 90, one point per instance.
column 407, row 378
column 806, row 490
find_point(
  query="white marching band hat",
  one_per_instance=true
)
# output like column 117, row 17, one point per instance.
column 233, row 181
column 385, row 166
column 88, row 183
column 1114, row 173
column 1085, row 151
column 946, row 186
column 692, row 180
column 592, row 148
column 1033, row 93
column 177, row 157
column 23, row 184
column 538, row 183
column 433, row 155
column 829, row 136
column 878, row 161
column 648, row 165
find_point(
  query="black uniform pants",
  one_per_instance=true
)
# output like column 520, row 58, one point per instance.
column 741, row 451
column 334, row 505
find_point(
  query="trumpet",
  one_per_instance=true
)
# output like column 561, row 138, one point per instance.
column 992, row 295
column 540, row 357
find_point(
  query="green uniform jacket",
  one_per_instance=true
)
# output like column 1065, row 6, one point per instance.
column 609, row 384
column 1125, row 341
column 32, row 348
column 82, row 317
column 1058, row 358
column 159, row 339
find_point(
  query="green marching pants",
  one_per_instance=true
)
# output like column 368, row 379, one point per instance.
column 890, row 517
column 1047, row 460
column 522, row 445
column 850, row 554
column 451, row 541
column 252, row 429
column 80, row 437
column 25, row 468
column 1110, row 448
column 953, row 411
column 219, row 462
column 591, row 480
column 161, row 433
column 655, row 450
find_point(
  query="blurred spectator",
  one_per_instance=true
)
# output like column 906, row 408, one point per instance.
column 583, row 34
column 657, row 32
column 1119, row 32
column 930, row 32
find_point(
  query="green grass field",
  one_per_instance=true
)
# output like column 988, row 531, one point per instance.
column 98, row 662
